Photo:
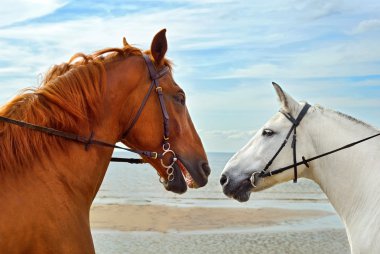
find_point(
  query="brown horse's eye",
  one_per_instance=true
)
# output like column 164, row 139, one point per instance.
column 180, row 98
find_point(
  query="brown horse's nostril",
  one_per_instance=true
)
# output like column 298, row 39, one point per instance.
column 223, row 180
column 206, row 168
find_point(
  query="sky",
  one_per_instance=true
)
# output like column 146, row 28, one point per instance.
column 226, row 53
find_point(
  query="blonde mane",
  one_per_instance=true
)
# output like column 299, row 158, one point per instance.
column 68, row 99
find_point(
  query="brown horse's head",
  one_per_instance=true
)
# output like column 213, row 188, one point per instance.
column 190, row 167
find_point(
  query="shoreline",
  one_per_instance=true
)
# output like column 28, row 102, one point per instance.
column 161, row 218
column 156, row 229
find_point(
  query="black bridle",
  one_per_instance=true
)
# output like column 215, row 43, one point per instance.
column 87, row 141
column 265, row 173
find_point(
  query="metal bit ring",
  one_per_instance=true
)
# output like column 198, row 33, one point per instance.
column 169, row 168
column 166, row 148
column 252, row 179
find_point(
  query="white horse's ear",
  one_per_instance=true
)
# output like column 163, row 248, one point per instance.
column 287, row 102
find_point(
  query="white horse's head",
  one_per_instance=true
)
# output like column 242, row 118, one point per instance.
column 241, row 174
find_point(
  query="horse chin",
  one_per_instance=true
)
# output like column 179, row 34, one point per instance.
column 182, row 179
column 178, row 184
column 262, row 184
column 243, row 196
column 240, row 192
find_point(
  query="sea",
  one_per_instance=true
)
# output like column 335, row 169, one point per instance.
column 139, row 184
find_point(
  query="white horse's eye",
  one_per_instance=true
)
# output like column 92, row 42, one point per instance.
column 267, row 132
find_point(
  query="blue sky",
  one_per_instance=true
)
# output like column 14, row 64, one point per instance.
column 226, row 53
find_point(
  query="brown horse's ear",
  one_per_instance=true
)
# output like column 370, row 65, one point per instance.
column 125, row 43
column 159, row 47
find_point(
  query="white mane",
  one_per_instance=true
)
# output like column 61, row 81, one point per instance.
column 348, row 117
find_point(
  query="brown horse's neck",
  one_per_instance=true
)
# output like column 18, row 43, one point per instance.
column 83, row 169
column 49, row 202
column 46, row 199
column 72, row 172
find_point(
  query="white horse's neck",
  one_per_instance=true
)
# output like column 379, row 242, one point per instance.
column 350, row 178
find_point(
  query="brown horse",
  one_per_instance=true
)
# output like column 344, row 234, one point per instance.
column 47, row 184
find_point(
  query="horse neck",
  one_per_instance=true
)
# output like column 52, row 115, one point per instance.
column 349, row 178
column 109, row 128
column 74, row 173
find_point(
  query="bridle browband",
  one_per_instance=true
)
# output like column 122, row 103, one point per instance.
column 87, row 141
column 265, row 173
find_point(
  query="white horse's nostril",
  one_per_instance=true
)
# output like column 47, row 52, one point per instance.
column 223, row 180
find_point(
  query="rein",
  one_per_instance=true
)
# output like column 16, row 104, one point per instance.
column 265, row 173
column 87, row 141
column 81, row 139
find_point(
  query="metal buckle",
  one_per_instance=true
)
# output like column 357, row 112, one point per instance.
column 155, row 155
column 252, row 179
column 166, row 146
column 158, row 89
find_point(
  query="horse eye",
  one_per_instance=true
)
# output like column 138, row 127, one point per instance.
column 180, row 98
column 267, row 132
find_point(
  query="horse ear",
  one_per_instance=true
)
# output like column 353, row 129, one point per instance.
column 159, row 47
column 287, row 102
column 125, row 43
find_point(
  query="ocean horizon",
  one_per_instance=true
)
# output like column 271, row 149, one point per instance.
column 139, row 184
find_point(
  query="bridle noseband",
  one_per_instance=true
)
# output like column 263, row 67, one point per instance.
column 265, row 173
column 87, row 141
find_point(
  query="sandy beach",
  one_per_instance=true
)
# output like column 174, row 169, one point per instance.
column 170, row 229
column 158, row 218
column 134, row 214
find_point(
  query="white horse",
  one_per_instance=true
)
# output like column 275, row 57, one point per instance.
column 350, row 178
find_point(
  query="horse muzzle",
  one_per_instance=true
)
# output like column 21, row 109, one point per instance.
column 187, row 174
column 236, row 189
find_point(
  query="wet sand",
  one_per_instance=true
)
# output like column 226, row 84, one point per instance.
column 167, row 229
column 158, row 218
column 291, row 242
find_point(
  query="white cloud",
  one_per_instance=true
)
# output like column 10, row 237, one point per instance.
column 227, row 134
column 204, row 25
column 338, row 59
column 225, row 140
column 226, row 53
column 13, row 11
column 349, row 102
column 320, row 8
column 366, row 26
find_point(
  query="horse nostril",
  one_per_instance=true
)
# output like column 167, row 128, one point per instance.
column 223, row 180
column 206, row 168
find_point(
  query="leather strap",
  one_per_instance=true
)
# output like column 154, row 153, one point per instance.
column 74, row 137
column 304, row 161
column 87, row 141
column 155, row 76
column 293, row 129
column 137, row 116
